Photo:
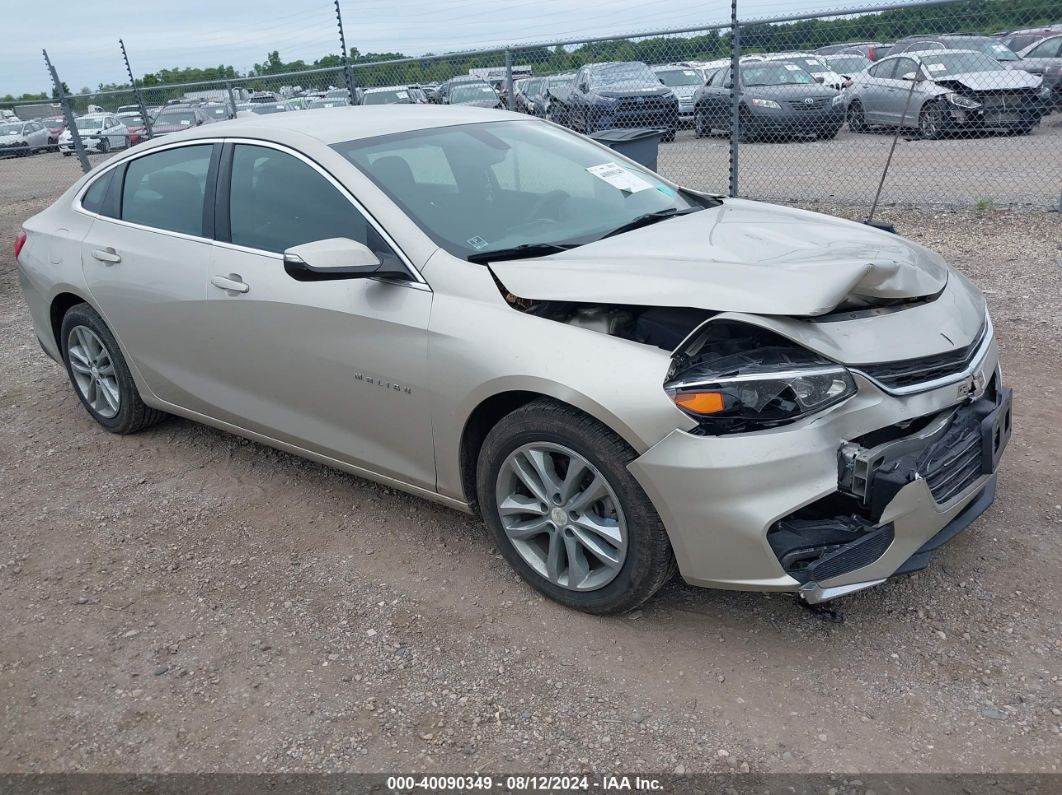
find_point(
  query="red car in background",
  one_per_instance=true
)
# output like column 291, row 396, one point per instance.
column 55, row 126
column 136, row 126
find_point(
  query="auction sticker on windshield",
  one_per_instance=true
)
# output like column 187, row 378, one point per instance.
column 619, row 177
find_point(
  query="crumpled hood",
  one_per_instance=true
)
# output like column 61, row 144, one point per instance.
column 994, row 81
column 742, row 256
column 622, row 90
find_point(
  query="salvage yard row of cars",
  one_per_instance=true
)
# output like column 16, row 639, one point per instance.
column 935, row 84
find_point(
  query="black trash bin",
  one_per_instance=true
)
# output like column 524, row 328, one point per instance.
column 640, row 144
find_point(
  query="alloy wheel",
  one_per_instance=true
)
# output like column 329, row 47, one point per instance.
column 562, row 516
column 93, row 371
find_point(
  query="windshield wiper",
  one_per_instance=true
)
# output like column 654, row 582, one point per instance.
column 649, row 218
column 522, row 251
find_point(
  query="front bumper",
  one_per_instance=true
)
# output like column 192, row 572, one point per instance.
column 724, row 499
column 808, row 123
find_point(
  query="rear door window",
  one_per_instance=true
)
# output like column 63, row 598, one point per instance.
column 165, row 190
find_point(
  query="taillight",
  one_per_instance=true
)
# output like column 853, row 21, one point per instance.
column 20, row 241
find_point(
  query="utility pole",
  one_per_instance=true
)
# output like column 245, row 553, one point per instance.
column 348, row 74
column 68, row 115
column 136, row 91
column 735, row 95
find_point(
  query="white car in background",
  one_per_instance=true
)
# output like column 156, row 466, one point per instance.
column 100, row 132
column 810, row 62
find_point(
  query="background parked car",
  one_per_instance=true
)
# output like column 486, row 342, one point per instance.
column 809, row 62
column 525, row 94
column 621, row 94
column 556, row 95
column 56, row 125
column 266, row 109
column 23, row 137
column 328, row 102
column 99, row 132
column 683, row 82
column 1044, row 58
column 949, row 90
column 1019, row 40
column 135, row 125
column 476, row 93
column 442, row 91
column 847, row 64
column 179, row 117
column 217, row 111
column 394, row 95
column 871, row 50
column 778, row 101
column 991, row 47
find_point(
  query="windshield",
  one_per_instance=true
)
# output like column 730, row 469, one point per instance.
column 774, row 74
column 944, row 63
column 217, row 111
column 337, row 92
column 680, row 77
column 183, row 118
column 89, row 124
column 472, row 92
column 130, row 118
column 11, row 129
column 848, row 64
column 610, row 74
column 561, row 82
column 397, row 95
column 809, row 64
column 477, row 188
column 990, row 47
column 265, row 109
column 328, row 103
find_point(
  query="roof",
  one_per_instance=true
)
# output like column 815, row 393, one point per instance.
column 332, row 125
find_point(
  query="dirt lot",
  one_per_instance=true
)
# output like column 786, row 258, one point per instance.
column 182, row 600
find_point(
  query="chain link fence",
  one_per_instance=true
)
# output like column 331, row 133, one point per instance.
column 961, row 98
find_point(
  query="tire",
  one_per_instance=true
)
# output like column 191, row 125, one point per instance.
column 931, row 122
column 828, row 134
column 857, row 120
column 700, row 127
column 81, row 330
column 745, row 131
column 105, row 145
column 643, row 562
column 66, row 154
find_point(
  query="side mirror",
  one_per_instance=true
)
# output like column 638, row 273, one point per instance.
column 912, row 76
column 335, row 258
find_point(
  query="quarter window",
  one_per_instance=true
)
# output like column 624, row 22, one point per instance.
column 1047, row 49
column 884, row 70
column 97, row 192
column 165, row 190
column 277, row 201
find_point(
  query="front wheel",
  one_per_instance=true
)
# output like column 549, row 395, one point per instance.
column 931, row 122
column 567, row 515
column 700, row 124
column 100, row 376
column 857, row 120
column 105, row 145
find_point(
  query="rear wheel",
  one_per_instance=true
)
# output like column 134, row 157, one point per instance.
column 700, row 124
column 105, row 145
column 566, row 513
column 100, row 376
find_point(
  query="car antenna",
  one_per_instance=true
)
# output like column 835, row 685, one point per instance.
column 888, row 161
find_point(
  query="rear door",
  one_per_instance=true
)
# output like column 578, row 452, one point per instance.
column 877, row 86
column 146, row 260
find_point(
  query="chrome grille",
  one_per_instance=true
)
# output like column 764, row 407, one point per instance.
column 912, row 372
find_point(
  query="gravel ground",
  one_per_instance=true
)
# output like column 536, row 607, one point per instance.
column 183, row 600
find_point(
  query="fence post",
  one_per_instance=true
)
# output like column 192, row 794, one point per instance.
column 735, row 95
column 68, row 116
column 232, row 98
column 136, row 91
column 508, row 78
column 348, row 74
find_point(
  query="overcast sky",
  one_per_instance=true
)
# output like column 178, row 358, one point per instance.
column 82, row 37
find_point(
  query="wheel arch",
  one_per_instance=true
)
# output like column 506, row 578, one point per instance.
column 492, row 409
column 60, row 304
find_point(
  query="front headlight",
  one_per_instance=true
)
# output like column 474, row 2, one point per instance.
column 735, row 385
column 766, row 103
column 959, row 101
column 1045, row 91
column 838, row 100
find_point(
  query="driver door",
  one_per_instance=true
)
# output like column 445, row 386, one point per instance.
column 335, row 367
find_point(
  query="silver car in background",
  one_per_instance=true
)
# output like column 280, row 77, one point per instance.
column 683, row 82
column 623, row 376
column 100, row 132
column 943, row 91
column 23, row 137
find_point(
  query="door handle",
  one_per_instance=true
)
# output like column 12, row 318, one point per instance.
column 232, row 283
column 108, row 255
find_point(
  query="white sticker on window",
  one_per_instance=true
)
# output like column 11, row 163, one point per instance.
column 619, row 177
column 792, row 67
column 811, row 62
column 936, row 67
column 185, row 122
column 402, row 94
column 477, row 243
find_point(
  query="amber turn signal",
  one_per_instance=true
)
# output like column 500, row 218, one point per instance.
column 700, row 402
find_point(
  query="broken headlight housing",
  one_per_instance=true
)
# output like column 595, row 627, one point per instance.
column 959, row 101
column 732, row 385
